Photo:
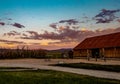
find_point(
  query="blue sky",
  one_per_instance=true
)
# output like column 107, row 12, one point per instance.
column 37, row 15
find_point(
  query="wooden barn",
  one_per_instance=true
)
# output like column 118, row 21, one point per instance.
column 107, row 46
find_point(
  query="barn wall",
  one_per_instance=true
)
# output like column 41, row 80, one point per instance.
column 101, row 52
column 107, row 52
column 80, row 53
column 118, row 52
column 76, row 53
column 112, row 52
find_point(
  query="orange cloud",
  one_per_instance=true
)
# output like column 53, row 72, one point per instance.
column 4, row 45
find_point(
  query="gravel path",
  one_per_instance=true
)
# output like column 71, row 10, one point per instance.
column 39, row 65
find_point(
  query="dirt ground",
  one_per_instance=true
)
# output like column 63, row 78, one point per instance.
column 56, row 61
column 43, row 64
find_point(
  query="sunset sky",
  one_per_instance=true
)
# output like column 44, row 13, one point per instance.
column 55, row 24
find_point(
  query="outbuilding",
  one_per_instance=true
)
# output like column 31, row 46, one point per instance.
column 107, row 46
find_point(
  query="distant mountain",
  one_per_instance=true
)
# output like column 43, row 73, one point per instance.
column 62, row 50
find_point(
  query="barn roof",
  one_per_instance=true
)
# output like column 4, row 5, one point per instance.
column 103, row 41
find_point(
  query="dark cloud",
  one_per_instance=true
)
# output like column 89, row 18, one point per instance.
column 70, row 21
column 106, row 16
column 11, row 42
column 2, row 23
column 46, row 35
column 12, row 33
column 65, row 24
column 68, row 33
column 63, row 32
column 32, row 35
column 53, row 25
column 103, row 20
column 8, row 21
column 18, row 25
column 51, row 35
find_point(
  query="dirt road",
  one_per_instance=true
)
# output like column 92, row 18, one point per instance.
column 43, row 64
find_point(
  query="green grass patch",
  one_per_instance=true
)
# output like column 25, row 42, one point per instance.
column 50, row 77
column 53, row 54
column 14, row 68
column 114, row 68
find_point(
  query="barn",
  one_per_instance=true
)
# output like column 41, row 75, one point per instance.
column 107, row 46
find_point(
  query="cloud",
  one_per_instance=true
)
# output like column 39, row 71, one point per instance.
column 69, row 31
column 11, row 42
column 63, row 24
column 8, row 21
column 66, row 36
column 33, row 33
column 46, row 35
column 18, row 25
column 51, row 35
column 78, row 36
column 2, row 23
column 106, row 16
column 12, row 33
column 63, row 33
column 53, row 25
column 103, row 20
column 70, row 21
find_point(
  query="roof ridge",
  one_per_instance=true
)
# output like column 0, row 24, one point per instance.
column 103, row 35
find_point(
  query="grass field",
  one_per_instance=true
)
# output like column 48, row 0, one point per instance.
column 114, row 68
column 49, row 77
column 14, row 68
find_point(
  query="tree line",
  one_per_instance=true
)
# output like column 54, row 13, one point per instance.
column 21, row 53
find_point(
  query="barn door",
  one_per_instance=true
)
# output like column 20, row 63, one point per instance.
column 96, row 53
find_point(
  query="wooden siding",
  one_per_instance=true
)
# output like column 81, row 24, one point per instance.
column 112, row 52
column 107, row 52
column 118, row 52
column 80, row 53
